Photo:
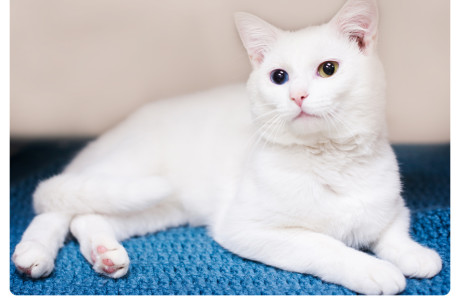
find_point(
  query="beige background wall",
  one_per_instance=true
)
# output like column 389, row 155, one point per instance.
column 80, row 66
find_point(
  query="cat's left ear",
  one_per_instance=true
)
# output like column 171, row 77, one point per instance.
column 257, row 36
column 358, row 20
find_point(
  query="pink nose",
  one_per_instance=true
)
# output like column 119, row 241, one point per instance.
column 299, row 97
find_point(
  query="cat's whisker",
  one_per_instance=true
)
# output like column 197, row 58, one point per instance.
column 260, row 132
column 265, row 115
column 334, row 116
column 273, row 122
column 327, row 119
column 259, row 103
column 260, row 128
column 280, row 128
column 344, row 125
column 332, row 122
column 269, row 133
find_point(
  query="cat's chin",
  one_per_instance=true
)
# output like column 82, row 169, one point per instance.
column 305, row 124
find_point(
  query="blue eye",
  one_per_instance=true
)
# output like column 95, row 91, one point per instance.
column 279, row 76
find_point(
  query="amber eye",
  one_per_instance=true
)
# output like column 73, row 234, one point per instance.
column 327, row 69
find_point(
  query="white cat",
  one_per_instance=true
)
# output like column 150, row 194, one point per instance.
column 294, row 172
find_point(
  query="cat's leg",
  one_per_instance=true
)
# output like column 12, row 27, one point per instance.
column 165, row 215
column 99, row 235
column 40, row 243
column 303, row 251
column 99, row 245
column 396, row 246
column 100, row 193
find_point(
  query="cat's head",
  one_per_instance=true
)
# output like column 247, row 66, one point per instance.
column 322, row 82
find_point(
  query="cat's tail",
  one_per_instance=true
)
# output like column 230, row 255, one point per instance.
column 81, row 194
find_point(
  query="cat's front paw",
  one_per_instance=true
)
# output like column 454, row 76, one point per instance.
column 110, row 259
column 418, row 262
column 376, row 277
column 33, row 259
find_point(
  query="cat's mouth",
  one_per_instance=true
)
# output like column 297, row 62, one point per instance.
column 304, row 115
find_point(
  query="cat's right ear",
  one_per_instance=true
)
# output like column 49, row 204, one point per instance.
column 257, row 36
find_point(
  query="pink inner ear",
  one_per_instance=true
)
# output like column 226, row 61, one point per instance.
column 358, row 20
column 257, row 35
column 360, row 35
column 257, row 45
column 357, row 28
column 256, row 57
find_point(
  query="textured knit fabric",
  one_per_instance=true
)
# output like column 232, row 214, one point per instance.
column 186, row 260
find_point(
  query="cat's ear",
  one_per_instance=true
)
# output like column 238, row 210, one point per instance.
column 358, row 20
column 257, row 36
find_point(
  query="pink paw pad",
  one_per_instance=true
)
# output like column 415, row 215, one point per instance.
column 27, row 271
column 111, row 261
column 101, row 249
column 108, row 263
column 109, row 269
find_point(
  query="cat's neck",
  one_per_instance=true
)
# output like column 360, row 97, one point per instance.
column 353, row 146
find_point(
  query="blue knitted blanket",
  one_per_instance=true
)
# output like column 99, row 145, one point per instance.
column 186, row 261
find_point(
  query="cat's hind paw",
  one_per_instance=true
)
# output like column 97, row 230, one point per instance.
column 112, row 261
column 33, row 259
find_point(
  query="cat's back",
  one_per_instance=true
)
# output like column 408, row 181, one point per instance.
column 191, row 128
column 225, row 106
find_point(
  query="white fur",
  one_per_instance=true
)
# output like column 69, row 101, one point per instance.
column 301, row 194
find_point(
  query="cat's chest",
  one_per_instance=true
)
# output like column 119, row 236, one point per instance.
column 305, row 178
column 324, row 196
